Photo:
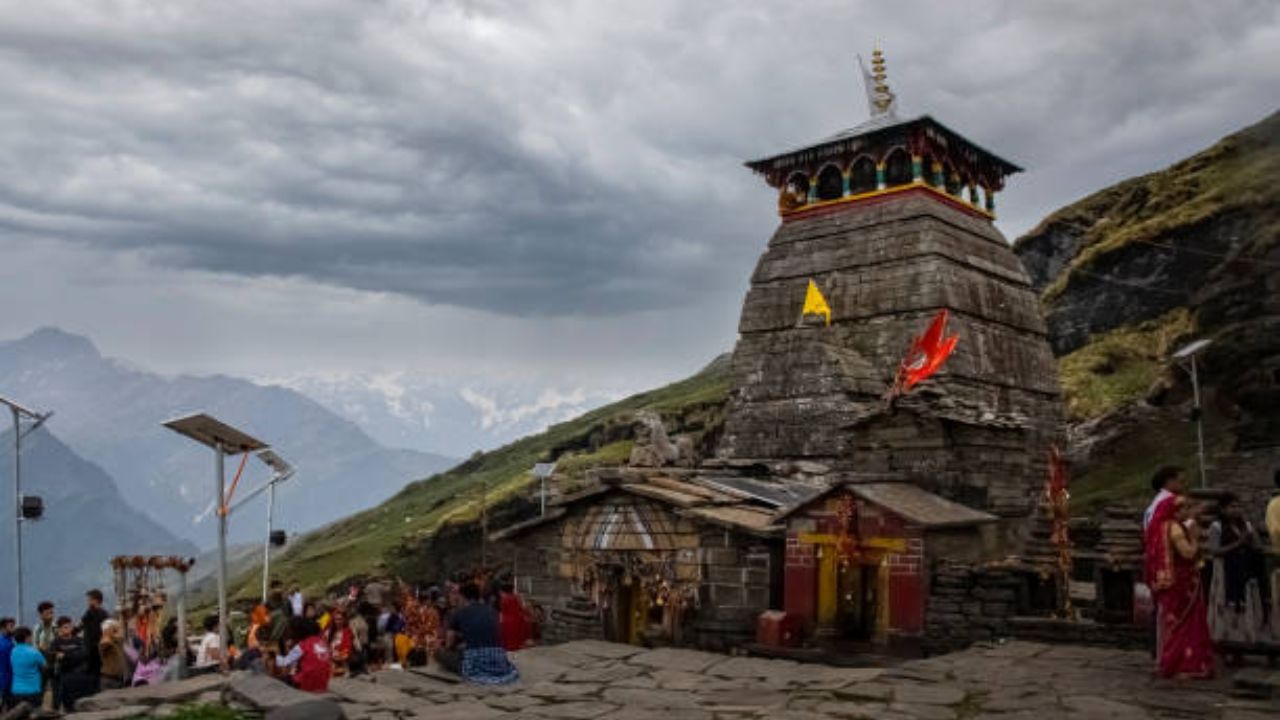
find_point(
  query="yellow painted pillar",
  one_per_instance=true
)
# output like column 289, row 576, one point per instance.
column 828, row 566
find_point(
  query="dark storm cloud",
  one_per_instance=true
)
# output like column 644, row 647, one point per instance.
column 568, row 158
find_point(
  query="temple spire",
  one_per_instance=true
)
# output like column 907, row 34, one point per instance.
column 880, row 99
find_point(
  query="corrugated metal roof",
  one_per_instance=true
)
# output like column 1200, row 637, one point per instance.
column 771, row 493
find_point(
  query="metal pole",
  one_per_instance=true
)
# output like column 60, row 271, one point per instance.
column 17, row 507
column 543, row 495
column 1195, row 389
column 484, row 524
column 182, row 624
column 266, row 547
column 222, row 560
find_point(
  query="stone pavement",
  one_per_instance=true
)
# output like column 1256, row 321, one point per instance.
column 1012, row 681
column 586, row 680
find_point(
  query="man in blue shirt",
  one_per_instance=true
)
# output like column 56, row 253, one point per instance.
column 6, row 650
column 472, row 647
column 28, row 670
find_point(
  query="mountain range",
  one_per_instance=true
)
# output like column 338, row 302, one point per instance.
column 111, row 414
column 408, row 410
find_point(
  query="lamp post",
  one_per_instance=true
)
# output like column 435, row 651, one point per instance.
column 1189, row 352
column 223, row 440
column 543, row 472
column 36, row 419
column 280, row 471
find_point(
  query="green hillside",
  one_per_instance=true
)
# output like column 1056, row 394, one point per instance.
column 370, row 542
column 1133, row 272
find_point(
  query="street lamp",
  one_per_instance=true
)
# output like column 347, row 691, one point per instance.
column 22, row 510
column 281, row 470
column 223, row 440
column 1189, row 352
column 542, row 471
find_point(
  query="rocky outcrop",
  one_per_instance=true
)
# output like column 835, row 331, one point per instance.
column 655, row 448
column 1193, row 249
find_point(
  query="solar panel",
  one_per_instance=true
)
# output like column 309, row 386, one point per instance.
column 208, row 430
column 278, row 465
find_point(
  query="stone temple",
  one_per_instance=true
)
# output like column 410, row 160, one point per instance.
column 892, row 220
column 851, row 518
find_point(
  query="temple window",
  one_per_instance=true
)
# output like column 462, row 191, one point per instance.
column 862, row 176
column 830, row 183
column 897, row 168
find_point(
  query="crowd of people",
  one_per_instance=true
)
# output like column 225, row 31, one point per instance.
column 466, row 627
column 1207, row 569
column 59, row 660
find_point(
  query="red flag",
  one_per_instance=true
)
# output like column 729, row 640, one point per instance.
column 927, row 352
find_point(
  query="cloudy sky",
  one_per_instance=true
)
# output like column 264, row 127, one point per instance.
column 547, row 193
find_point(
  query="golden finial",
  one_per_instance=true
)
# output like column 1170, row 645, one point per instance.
column 880, row 99
column 883, row 100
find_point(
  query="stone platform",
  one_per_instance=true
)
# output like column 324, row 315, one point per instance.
column 588, row 679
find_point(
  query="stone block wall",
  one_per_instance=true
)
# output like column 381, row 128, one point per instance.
column 736, row 587
column 968, row 604
column 977, row 433
column 973, row 603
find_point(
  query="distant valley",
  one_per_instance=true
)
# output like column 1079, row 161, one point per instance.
column 111, row 414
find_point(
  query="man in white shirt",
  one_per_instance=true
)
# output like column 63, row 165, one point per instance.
column 209, row 653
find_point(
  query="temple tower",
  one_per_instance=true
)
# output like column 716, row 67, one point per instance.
column 892, row 220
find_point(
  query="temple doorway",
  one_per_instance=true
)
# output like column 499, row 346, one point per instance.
column 858, row 602
column 628, row 619
column 850, row 597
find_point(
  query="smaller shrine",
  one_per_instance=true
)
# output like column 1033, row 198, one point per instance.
column 858, row 558
column 653, row 557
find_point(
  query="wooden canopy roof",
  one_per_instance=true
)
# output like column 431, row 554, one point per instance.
column 918, row 133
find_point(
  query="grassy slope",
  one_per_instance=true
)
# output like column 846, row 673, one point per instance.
column 1236, row 175
column 363, row 543
column 1120, row 366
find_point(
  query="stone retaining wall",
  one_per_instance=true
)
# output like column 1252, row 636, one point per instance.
column 972, row 604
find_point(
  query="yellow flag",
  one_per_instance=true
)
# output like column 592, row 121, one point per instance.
column 815, row 304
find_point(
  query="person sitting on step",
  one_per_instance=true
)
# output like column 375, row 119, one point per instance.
column 472, row 647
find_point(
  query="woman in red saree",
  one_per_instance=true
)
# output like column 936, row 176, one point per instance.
column 1186, row 650
column 513, row 619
